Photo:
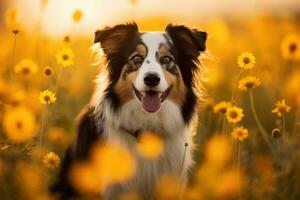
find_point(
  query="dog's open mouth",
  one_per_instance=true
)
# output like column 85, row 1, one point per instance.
column 151, row 100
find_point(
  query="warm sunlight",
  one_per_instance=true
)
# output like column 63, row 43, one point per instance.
column 149, row 99
column 56, row 20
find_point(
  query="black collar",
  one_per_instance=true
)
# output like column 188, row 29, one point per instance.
column 135, row 133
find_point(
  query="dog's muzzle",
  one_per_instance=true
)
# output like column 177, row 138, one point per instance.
column 151, row 100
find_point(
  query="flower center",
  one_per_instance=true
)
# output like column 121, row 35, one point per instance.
column 19, row 125
column 233, row 114
column 293, row 47
column 240, row 133
column 65, row 57
column 66, row 39
column 249, row 84
column 282, row 109
column 25, row 70
column 52, row 161
column 47, row 98
column 223, row 110
column 48, row 71
column 246, row 60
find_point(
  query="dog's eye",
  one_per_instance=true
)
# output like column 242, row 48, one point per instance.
column 137, row 59
column 166, row 60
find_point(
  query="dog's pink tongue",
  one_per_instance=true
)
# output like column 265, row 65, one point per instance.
column 151, row 102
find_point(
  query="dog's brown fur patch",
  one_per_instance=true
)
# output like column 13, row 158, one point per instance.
column 178, row 91
column 141, row 49
column 123, row 87
column 163, row 50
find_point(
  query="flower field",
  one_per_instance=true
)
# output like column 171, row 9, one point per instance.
column 248, row 132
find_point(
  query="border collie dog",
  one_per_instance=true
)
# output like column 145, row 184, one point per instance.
column 149, row 86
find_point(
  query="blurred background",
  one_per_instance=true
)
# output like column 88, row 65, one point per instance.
column 36, row 36
column 55, row 19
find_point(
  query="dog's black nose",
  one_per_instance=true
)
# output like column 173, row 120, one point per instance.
column 151, row 79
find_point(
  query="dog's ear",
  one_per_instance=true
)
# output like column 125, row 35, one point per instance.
column 189, row 42
column 113, row 39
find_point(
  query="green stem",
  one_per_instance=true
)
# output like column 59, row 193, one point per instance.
column 183, row 159
column 220, row 124
column 58, row 78
column 238, row 168
column 43, row 124
column 283, row 125
column 223, row 124
column 181, row 189
column 15, row 48
column 279, row 145
column 296, row 124
column 10, row 73
column 260, row 127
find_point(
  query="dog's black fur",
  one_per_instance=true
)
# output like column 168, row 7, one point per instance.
column 87, row 136
column 117, row 43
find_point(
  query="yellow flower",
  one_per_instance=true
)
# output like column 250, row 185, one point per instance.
column 47, row 97
column 240, row 133
column 51, row 160
column 84, row 177
column 234, row 114
column 65, row 57
column 48, row 71
column 249, row 82
column 218, row 150
column 77, row 15
column 281, row 108
column 115, row 163
column 26, row 68
column 246, row 60
column 109, row 163
column 222, row 107
column 290, row 47
column 150, row 145
column 19, row 124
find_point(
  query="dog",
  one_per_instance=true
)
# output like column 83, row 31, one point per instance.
column 150, row 85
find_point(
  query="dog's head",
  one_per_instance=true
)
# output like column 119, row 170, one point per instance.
column 151, row 67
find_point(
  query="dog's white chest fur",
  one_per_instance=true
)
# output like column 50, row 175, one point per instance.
column 168, row 121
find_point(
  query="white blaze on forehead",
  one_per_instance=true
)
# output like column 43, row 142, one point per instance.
column 151, row 64
column 153, row 40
